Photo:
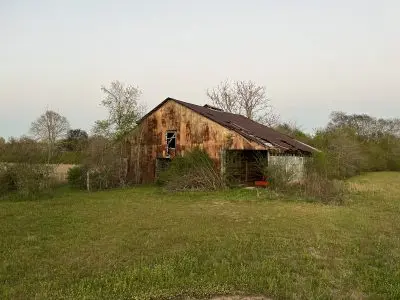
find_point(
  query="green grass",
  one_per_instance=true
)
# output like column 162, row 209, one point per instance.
column 144, row 243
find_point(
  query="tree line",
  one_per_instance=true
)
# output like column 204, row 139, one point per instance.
column 51, row 139
column 349, row 143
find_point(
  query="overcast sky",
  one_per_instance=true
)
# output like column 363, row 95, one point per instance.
column 312, row 56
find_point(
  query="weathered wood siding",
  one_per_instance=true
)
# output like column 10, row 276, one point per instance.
column 193, row 130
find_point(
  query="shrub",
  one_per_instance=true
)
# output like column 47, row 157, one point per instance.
column 77, row 177
column 311, row 180
column 107, row 169
column 320, row 180
column 27, row 180
column 194, row 171
column 104, row 178
column 99, row 179
column 7, row 180
column 342, row 154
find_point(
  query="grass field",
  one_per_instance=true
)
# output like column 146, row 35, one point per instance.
column 144, row 243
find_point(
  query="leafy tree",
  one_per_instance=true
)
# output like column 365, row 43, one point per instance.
column 294, row 131
column 23, row 149
column 49, row 128
column 76, row 140
column 124, row 110
column 343, row 155
column 102, row 128
column 2, row 144
column 355, row 143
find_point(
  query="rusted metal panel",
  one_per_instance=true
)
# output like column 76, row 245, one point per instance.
column 192, row 130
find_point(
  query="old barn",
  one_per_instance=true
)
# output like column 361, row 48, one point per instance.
column 175, row 127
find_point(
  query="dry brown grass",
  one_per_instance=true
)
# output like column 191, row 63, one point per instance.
column 61, row 171
column 356, row 187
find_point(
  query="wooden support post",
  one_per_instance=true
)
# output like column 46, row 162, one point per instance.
column 88, row 181
column 247, row 171
column 223, row 161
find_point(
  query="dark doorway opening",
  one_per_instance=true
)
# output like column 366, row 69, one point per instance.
column 162, row 164
column 245, row 166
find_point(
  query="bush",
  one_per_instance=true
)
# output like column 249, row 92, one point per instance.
column 342, row 155
column 320, row 180
column 26, row 180
column 309, row 181
column 104, row 178
column 194, row 171
column 99, row 179
column 7, row 180
column 77, row 177
column 107, row 169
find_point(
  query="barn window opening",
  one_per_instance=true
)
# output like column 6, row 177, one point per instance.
column 171, row 140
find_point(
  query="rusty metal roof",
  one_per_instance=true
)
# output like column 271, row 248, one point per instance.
column 251, row 130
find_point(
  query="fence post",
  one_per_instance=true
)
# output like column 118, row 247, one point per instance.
column 88, row 181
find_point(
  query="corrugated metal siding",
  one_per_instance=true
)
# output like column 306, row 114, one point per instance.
column 292, row 164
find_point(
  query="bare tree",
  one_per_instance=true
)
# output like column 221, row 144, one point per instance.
column 245, row 98
column 269, row 117
column 49, row 128
column 252, row 98
column 365, row 126
column 224, row 97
